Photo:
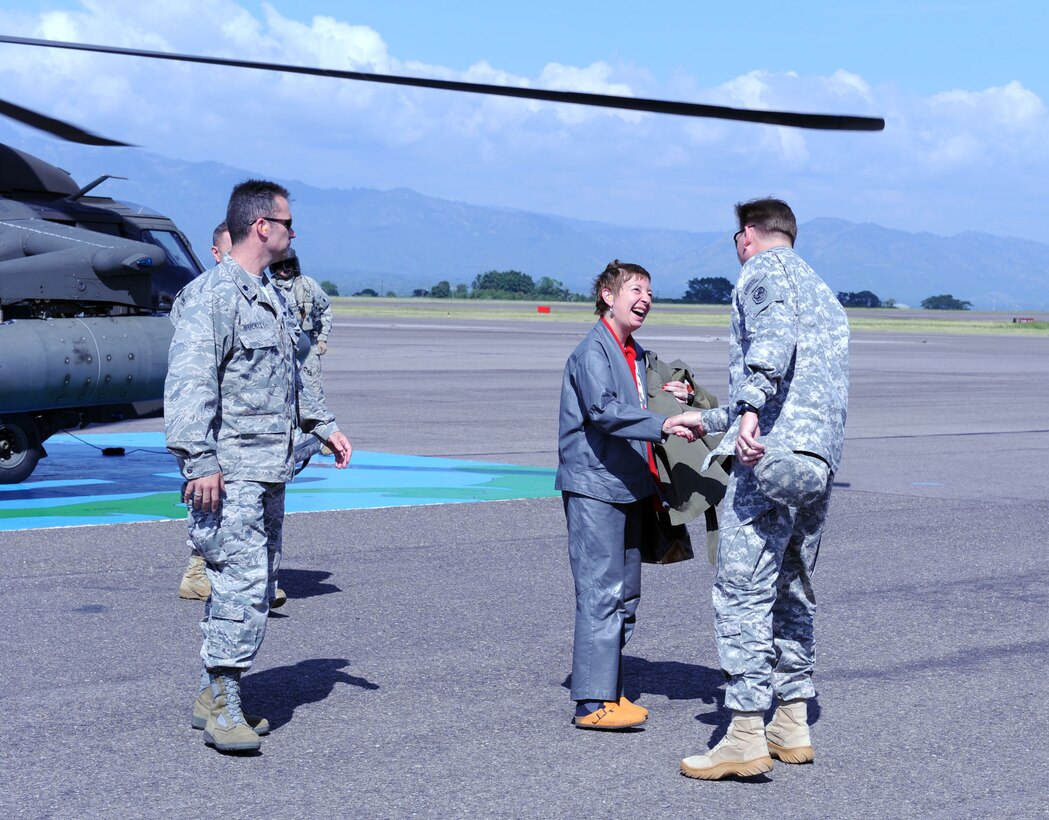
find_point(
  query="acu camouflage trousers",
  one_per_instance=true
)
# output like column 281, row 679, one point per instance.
column 764, row 602
column 241, row 545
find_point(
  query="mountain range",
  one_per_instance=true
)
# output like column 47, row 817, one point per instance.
column 400, row 240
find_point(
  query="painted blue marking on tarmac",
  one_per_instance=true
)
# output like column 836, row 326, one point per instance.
column 144, row 485
column 40, row 485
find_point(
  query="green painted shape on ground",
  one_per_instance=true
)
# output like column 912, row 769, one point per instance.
column 157, row 505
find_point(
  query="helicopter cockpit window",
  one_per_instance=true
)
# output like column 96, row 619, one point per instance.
column 179, row 256
column 181, row 268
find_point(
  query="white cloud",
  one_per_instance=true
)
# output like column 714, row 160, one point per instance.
column 940, row 156
column 1010, row 106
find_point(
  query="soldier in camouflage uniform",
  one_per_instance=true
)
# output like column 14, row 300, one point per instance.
column 785, row 423
column 311, row 307
column 231, row 405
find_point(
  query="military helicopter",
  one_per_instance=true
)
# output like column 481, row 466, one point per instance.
column 86, row 281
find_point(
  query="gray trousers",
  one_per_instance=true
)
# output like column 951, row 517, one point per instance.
column 764, row 603
column 603, row 549
column 242, row 547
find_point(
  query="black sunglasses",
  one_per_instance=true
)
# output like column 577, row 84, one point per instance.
column 285, row 222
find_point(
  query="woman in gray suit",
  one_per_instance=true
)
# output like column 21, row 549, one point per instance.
column 605, row 474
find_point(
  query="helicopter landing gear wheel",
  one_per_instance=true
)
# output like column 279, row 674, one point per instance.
column 20, row 448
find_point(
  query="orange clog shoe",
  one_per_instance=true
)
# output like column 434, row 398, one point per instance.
column 610, row 716
column 628, row 705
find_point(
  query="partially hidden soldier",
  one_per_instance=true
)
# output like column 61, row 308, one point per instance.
column 195, row 585
column 232, row 403
column 311, row 308
column 785, row 423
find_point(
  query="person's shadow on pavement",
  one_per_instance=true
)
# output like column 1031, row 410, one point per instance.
column 277, row 693
column 672, row 679
column 306, row 583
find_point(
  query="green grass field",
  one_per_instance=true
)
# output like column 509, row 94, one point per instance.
column 705, row 316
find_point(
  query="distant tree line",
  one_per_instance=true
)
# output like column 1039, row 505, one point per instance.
column 502, row 284
column 710, row 290
column 861, row 299
column 945, row 302
column 716, row 290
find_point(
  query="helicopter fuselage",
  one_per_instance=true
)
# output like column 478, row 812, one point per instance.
column 86, row 283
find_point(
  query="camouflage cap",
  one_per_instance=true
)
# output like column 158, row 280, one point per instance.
column 794, row 479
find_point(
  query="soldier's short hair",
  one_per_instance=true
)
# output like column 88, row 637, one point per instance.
column 249, row 201
column 613, row 277
column 216, row 234
column 768, row 216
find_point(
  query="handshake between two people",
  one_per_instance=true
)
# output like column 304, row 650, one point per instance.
column 689, row 426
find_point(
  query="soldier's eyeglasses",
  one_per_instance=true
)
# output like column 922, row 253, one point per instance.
column 285, row 222
column 738, row 234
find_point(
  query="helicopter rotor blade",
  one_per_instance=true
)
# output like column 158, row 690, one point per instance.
column 57, row 128
column 824, row 122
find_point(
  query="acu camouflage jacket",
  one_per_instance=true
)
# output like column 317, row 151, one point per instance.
column 789, row 358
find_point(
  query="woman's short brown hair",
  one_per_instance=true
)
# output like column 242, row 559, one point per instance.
column 613, row 277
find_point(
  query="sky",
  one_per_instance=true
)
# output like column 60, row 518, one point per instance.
column 962, row 86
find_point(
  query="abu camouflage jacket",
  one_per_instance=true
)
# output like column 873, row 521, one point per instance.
column 231, row 397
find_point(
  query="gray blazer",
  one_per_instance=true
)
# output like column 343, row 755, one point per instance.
column 602, row 427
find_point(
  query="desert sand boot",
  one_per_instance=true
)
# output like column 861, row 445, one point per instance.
column 226, row 728
column 741, row 753
column 202, row 708
column 195, row 585
column 788, row 733
column 279, row 599
column 610, row 716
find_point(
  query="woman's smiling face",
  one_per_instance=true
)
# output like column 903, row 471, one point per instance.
column 630, row 305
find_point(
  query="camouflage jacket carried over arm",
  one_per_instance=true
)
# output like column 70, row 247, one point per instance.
column 789, row 358
column 231, row 396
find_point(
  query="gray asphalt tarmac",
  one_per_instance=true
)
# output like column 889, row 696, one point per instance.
column 419, row 667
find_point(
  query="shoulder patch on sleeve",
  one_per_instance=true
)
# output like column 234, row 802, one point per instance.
column 759, row 294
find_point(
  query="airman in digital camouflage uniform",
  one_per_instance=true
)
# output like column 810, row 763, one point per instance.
column 311, row 307
column 231, row 405
column 785, row 423
column 194, row 584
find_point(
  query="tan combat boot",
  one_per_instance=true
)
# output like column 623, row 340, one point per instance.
column 788, row 733
column 742, row 752
column 195, row 585
column 226, row 728
column 202, row 708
